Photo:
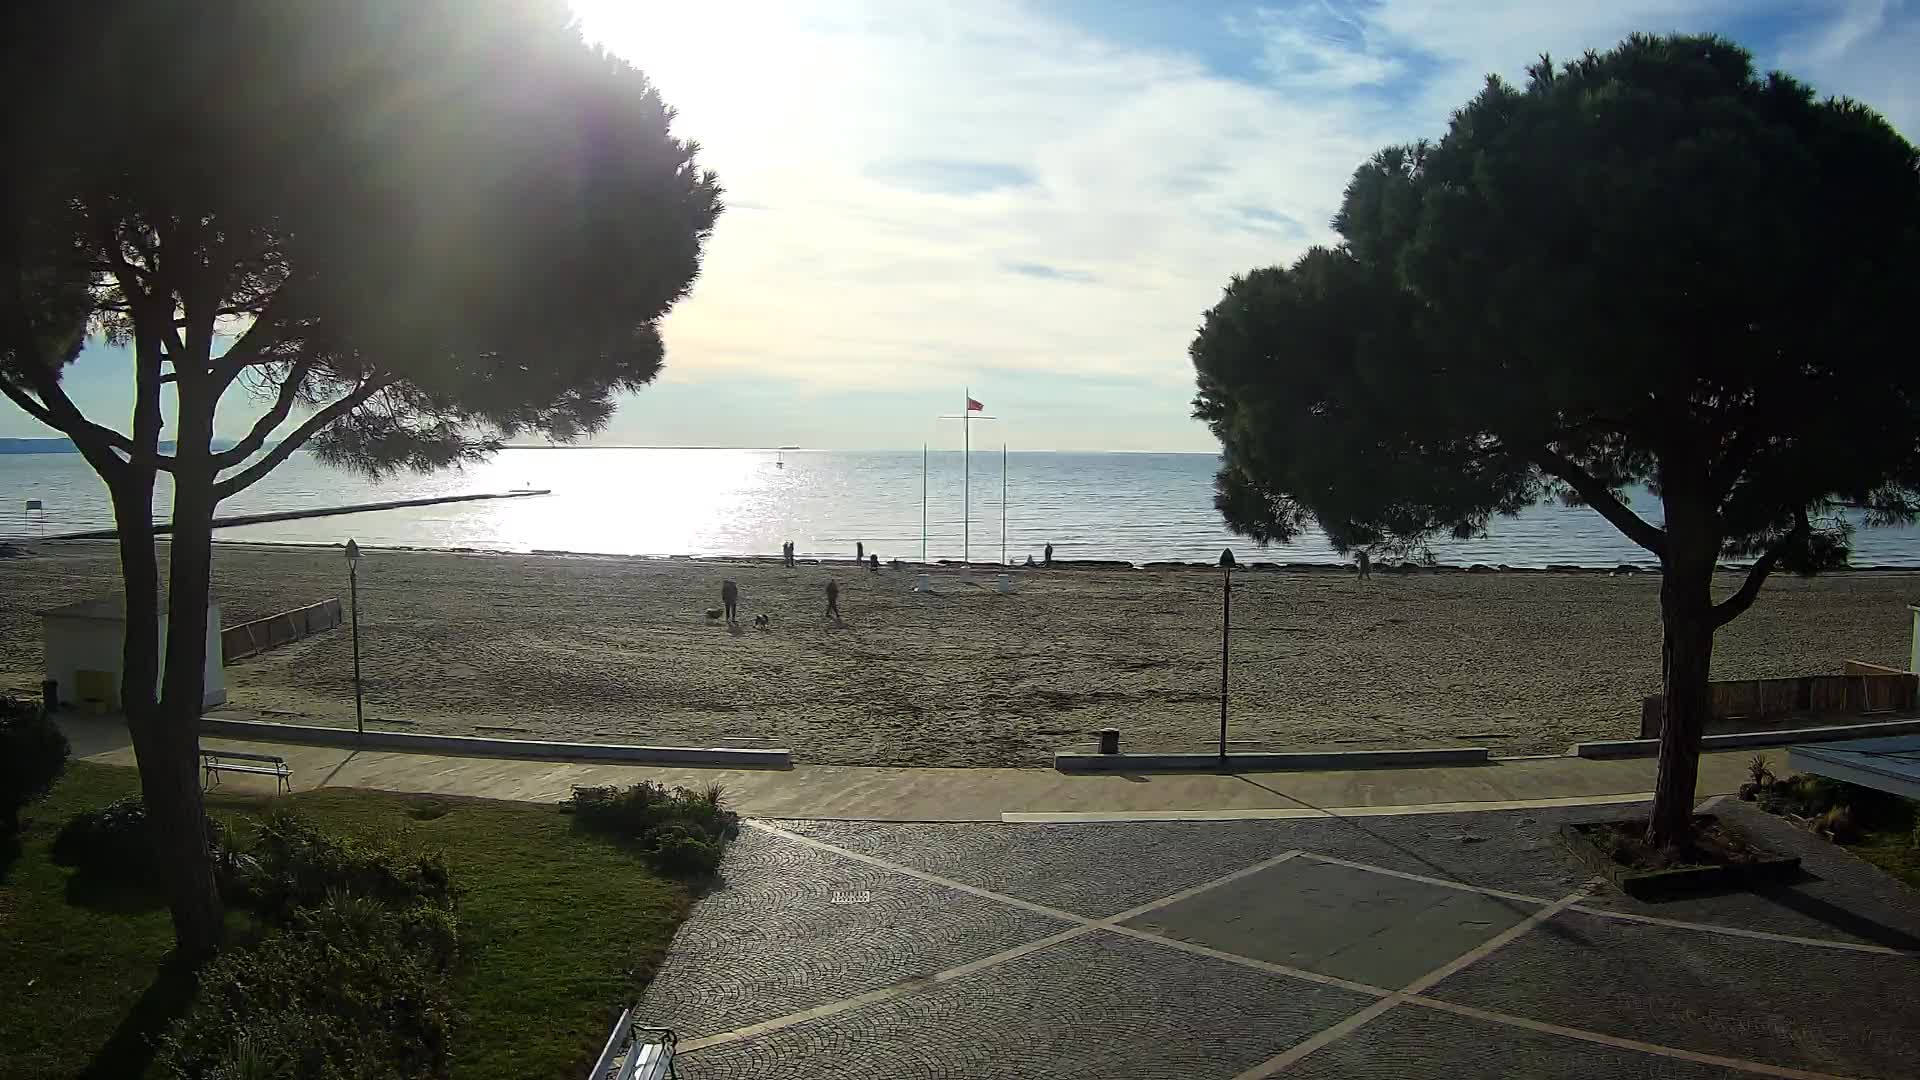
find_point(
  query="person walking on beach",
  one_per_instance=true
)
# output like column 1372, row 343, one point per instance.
column 730, row 600
column 1364, row 563
column 833, row 600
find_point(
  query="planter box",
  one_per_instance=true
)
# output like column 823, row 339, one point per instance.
column 1768, row 869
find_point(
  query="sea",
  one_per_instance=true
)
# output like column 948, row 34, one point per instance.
column 1132, row 507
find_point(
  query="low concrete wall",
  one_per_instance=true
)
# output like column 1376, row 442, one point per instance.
column 475, row 746
column 261, row 635
column 1619, row 748
column 1272, row 762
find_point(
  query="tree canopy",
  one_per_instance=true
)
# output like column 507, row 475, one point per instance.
column 1650, row 266
column 407, row 230
column 426, row 225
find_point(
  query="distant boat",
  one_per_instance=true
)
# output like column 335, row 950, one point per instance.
column 780, row 458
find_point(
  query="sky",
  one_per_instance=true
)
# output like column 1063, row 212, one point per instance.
column 1036, row 201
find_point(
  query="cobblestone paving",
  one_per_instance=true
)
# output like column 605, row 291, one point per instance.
column 979, row 951
column 792, row 927
column 1822, row 1009
column 1094, row 1008
column 1410, row 1042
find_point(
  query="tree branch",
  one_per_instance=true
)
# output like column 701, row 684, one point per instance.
column 241, row 481
column 88, row 437
column 266, row 425
column 1734, row 606
column 1602, row 499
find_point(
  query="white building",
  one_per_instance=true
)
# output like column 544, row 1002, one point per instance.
column 84, row 642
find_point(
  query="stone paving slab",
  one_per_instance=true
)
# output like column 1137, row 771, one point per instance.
column 1842, row 898
column 1780, row 1003
column 1340, row 921
column 1098, row 1007
column 1094, row 870
column 1101, row 869
column 1414, row 1042
column 772, row 940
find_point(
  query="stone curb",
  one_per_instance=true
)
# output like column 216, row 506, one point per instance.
column 1272, row 762
column 476, row 746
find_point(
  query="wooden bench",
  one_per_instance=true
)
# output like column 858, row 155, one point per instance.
column 215, row 762
column 636, row 1052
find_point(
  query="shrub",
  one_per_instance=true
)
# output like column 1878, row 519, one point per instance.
column 356, row 984
column 343, row 992
column 1837, row 824
column 33, row 754
column 1758, row 771
column 295, row 865
column 117, row 841
column 677, row 830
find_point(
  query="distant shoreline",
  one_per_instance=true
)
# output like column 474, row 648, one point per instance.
column 1263, row 566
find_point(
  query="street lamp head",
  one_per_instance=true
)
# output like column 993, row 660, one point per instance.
column 353, row 552
column 1226, row 558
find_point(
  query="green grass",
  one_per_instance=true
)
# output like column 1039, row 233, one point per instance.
column 559, row 929
column 1893, row 852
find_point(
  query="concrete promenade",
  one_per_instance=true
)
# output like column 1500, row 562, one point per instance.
column 921, row 794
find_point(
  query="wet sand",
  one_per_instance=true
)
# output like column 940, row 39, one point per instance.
column 617, row 649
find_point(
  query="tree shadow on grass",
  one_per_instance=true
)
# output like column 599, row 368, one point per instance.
column 131, row 1047
column 113, row 892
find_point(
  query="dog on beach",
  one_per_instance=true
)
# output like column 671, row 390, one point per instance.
column 713, row 613
column 763, row 622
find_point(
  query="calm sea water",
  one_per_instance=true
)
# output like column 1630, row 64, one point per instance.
column 1138, row 507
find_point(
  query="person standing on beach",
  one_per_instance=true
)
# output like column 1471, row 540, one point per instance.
column 873, row 563
column 730, row 599
column 859, row 551
column 1364, row 563
column 833, row 600
column 786, row 554
column 1047, row 557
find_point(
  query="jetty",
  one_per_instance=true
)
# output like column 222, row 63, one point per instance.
column 230, row 520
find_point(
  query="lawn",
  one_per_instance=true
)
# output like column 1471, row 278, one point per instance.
column 559, row 928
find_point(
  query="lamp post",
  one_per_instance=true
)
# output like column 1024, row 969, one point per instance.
column 353, row 591
column 1226, row 632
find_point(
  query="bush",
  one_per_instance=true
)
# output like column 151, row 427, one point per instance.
column 115, row 840
column 356, row 985
column 344, row 992
column 33, row 754
column 295, row 865
column 677, row 830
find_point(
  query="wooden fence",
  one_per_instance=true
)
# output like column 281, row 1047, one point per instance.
column 261, row 635
column 1758, row 704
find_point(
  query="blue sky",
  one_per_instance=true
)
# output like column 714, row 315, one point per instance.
column 1038, row 200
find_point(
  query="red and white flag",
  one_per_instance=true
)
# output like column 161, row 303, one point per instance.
column 974, row 406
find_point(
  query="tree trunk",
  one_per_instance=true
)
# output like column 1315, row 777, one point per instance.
column 176, row 808
column 1686, row 613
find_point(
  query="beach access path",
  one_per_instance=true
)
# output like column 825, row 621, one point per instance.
column 975, row 794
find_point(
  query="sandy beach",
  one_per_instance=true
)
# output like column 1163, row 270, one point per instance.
column 618, row 649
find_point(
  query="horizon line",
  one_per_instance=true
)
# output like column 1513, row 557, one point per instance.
column 829, row 449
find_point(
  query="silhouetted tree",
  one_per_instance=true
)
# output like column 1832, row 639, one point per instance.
column 403, row 231
column 1649, row 266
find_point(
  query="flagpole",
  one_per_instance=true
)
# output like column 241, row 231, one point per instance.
column 923, row 503
column 1003, row 503
column 966, row 478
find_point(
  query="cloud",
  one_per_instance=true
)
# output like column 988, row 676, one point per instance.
column 1047, row 273
column 950, row 177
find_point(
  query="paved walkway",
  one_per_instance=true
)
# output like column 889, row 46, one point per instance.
column 1451, row 947
column 917, row 794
